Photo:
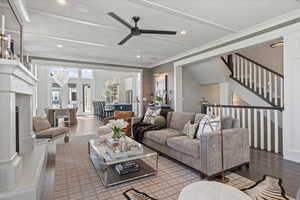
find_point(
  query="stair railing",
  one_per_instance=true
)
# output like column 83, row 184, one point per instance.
column 261, row 80
column 263, row 123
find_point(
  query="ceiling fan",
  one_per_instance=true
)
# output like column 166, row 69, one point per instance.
column 135, row 30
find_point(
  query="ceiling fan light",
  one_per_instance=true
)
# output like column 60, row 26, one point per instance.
column 138, row 56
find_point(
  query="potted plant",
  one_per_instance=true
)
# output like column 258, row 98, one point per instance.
column 116, row 126
column 158, row 100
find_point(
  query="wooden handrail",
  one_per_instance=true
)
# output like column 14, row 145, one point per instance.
column 251, row 107
column 260, row 65
column 227, row 64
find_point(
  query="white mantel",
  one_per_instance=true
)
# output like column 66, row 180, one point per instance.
column 17, row 88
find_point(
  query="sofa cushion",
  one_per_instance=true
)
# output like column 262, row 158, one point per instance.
column 236, row 123
column 179, row 119
column 185, row 144
column 227, row 122
column 52, row 132
column 161, row 136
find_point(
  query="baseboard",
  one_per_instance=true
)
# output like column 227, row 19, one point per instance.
column 292, row 155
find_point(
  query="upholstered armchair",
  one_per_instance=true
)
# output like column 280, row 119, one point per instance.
column 126, row 115
column 43, row 130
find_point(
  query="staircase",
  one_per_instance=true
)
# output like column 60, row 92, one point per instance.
column 263, row 119
column 260, row 80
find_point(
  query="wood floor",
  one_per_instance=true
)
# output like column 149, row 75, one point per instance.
column 262, row 163
column 265, row 163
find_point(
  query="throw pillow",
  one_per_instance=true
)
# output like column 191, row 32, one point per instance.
column 186, row 127
column 150, row 115
column 208, row 124
column 160, row 121
column 190, row 129
column 198, row 118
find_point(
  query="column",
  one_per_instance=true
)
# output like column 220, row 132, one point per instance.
column 291, row 131
column 9, row 160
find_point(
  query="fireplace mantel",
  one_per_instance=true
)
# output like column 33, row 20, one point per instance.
column 15, row 77
column 17, row 88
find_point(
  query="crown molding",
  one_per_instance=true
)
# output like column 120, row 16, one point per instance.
column 267, row 26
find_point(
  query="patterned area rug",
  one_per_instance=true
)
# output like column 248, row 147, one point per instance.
column 76, row 178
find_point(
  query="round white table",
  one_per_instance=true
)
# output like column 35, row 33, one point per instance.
column 210, row 190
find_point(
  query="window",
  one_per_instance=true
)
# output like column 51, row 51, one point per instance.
column 73, row 73
column 55, row 97
column 86, row 74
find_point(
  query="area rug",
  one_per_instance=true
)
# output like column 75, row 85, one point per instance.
column 76, row 178
column 269, row 188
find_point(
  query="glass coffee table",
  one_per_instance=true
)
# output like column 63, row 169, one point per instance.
column 105, row 165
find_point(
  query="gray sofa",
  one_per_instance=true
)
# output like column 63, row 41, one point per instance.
column 201, row 154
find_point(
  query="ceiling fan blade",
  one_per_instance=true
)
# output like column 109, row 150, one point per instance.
column 125, row 39
column 119, row 19
column 158, row 32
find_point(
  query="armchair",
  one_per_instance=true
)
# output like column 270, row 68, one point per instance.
column 126, row 115
column 43, row 130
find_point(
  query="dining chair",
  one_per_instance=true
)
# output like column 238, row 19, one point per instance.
column 102, row 109
column 62, row 114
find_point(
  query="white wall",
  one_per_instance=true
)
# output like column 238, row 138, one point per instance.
column 291, row 132
column 43, row 89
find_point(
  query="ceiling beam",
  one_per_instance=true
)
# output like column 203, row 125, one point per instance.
column 182, row 14
column 98, row 25
column 134, row 51
column 103, row 26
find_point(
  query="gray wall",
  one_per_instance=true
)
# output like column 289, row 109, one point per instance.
column 193, row 89
column 267, row 56
column 147, row 84
column 166, row 68
column 193, row 92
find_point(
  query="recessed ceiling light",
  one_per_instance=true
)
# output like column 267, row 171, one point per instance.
column 138, row 56
column 60, row 46
column 62, row 2
column 183, row 32
column 276, row 44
